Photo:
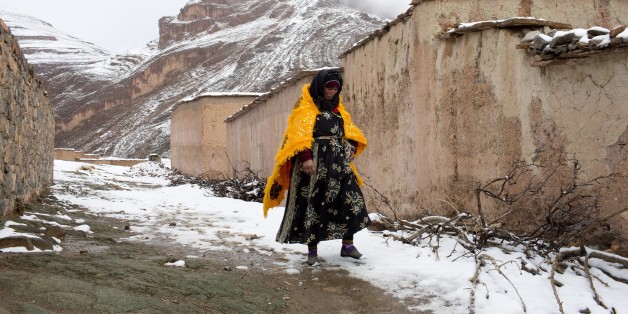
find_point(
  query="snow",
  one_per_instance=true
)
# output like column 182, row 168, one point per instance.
column 579, row 32
column 605, row 40
column 179, row 263
column 472, row 24
column 219, row 94
column 602, row 41
column 7, row 232
column 599, row 29
column 439, row 278
column 20, row 250
column 84, row 228
column 11, row 223
column 545, row 38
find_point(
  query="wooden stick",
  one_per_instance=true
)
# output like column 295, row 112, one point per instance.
column 553, row 282
column 474, row 282
column 497, row 267
column 596, row 296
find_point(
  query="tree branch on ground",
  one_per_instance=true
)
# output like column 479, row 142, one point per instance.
column 541, row 208
column 244, row 185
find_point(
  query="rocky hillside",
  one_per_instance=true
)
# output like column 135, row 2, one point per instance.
column 119, row 105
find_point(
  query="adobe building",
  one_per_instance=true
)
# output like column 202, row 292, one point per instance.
column 198, row 133
column 450, row 95
column 69, row 154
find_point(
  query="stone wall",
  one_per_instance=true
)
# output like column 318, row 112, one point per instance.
column 198, row 134
column 255, row 132
column 26, row 128
column 443, row 116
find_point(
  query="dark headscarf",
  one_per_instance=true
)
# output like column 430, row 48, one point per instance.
column 317, row 89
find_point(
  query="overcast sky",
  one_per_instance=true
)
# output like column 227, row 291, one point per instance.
column 121, row 25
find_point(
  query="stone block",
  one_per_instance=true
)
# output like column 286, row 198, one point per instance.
column 55, row 231
column 26, row 242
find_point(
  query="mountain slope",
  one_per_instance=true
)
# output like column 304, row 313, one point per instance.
column 120, row 105
column 68, row 64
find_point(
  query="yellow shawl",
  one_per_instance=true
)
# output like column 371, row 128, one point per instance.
column 299, row 137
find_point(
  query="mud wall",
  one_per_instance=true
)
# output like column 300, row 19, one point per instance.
column 255, row 132
column 113, row 162
column 198, row 135
column 69, row 154
column 26, row 128
column 442, row 116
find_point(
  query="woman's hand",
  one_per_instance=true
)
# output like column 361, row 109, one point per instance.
column 350, row 151
column 308, row 167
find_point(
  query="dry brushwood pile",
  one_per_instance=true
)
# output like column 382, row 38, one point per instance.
column 548, row 214
column 246, row 186
column 476, row 242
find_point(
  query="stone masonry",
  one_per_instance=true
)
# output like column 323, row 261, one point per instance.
column 26, row 128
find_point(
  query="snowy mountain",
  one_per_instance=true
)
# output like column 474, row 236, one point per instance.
column 60, row 59
column 120, row 105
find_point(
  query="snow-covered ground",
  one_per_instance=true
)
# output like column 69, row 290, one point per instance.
column 142, row 196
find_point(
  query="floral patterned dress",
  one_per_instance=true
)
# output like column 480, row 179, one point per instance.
column 328, row 205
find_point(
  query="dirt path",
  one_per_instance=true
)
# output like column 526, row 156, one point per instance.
column 99, row 273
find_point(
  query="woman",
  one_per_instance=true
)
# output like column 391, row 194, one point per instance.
column 314, row 164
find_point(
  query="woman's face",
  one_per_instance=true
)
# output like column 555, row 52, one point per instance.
column 330, row 92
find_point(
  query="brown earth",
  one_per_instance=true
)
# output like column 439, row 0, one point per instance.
column 100, row 273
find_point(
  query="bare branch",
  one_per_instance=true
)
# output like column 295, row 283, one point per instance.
column 385, row 199
column 553, row 283
column 498, row 268
column 596, row 296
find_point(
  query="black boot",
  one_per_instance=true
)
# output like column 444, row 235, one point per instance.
column 349, row 250
column 312, row 254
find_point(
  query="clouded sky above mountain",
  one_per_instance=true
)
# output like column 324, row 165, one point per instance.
column 116, row 25
column 122, row 25
column 384, row 8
